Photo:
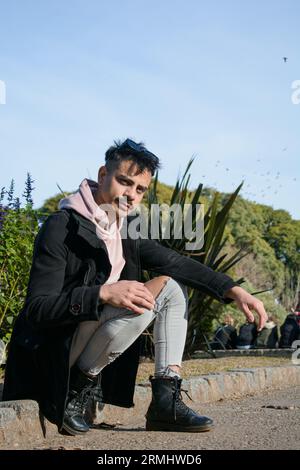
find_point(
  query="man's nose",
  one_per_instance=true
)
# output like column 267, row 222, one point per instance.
column 129, row 193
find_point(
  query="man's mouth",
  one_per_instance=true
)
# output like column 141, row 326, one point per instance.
column 123, row 204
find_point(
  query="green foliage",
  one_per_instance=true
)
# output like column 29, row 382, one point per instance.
column 51, row 204
column 275, row 245
column 247, row 227
column 18, row 228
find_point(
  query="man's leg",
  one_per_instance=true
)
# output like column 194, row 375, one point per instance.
column 167, row 411
column 95, row 345
column 99, row 343
column 155, row 286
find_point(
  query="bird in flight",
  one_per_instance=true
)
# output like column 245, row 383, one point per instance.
column 285, row 59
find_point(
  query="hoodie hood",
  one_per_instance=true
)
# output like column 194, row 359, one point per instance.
column 107, row 228
column 83, row 202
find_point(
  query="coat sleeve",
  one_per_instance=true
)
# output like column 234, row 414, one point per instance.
column 155, row 257
column 47, row 305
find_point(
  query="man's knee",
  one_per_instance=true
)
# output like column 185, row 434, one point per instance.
column 175, row 290
column 178, row 287
column 156, row 285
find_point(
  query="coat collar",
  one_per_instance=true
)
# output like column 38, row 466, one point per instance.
column 86, row 230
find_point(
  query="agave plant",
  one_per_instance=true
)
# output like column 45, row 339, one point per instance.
column 211, row 253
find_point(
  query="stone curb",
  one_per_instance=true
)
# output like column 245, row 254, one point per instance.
column 21, row 419
column 219, row 353
column 210, row 388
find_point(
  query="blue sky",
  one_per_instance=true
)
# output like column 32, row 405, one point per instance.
column 186, row 77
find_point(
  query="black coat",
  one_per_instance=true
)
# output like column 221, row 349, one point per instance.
column 70, row 263
column 247, row 334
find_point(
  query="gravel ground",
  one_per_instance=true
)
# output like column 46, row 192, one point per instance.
column 266, row 421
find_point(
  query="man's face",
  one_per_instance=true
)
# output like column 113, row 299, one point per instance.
column 123, row 187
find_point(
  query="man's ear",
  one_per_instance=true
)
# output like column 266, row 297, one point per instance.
column 102, row 173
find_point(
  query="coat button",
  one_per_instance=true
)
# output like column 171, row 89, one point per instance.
column 75, row 308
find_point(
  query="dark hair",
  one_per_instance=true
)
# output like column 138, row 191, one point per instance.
column 130, row 150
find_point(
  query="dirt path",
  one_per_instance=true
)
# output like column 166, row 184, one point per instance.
column 266, row 421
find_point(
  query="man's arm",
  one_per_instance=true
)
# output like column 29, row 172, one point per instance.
column 46, row 303
column 157, row 258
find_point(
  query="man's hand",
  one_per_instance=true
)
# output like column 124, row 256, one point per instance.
column 128, row 294
column 247, row 302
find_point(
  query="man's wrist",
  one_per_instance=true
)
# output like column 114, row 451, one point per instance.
column 233, row 292
column 103, row 294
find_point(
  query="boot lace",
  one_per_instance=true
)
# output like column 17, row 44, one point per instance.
column 178, row 403
column 81, row 399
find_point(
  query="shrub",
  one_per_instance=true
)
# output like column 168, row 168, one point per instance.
column 18, row 228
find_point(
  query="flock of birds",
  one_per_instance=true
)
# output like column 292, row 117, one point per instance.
column 270, row 177
column 269, row 184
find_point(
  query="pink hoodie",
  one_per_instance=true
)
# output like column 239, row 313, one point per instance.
column 107, row 229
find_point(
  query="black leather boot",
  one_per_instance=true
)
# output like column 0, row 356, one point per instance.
column 81, row 389
column 167, row 411
column 95, row 404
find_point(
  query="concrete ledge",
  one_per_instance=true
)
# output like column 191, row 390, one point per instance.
column 20, row 421
column 243, row 352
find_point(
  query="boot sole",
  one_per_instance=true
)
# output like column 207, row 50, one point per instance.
column 72, row 431
column 159, row 426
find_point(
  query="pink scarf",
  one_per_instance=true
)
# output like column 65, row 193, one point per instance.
column 107, row 228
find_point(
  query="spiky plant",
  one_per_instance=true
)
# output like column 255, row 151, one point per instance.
column 212, row 252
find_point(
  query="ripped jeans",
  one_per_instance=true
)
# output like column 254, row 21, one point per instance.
column 97, row 343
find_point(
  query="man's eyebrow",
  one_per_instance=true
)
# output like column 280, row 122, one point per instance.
column 125, row 177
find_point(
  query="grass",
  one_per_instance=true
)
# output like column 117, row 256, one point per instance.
column 194, row 367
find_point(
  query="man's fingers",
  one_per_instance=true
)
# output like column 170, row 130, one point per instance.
column 141, row 301
column 248, row 313
column 135, row 308
column 259, row 308
column 245, row 302
column 144, row 292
